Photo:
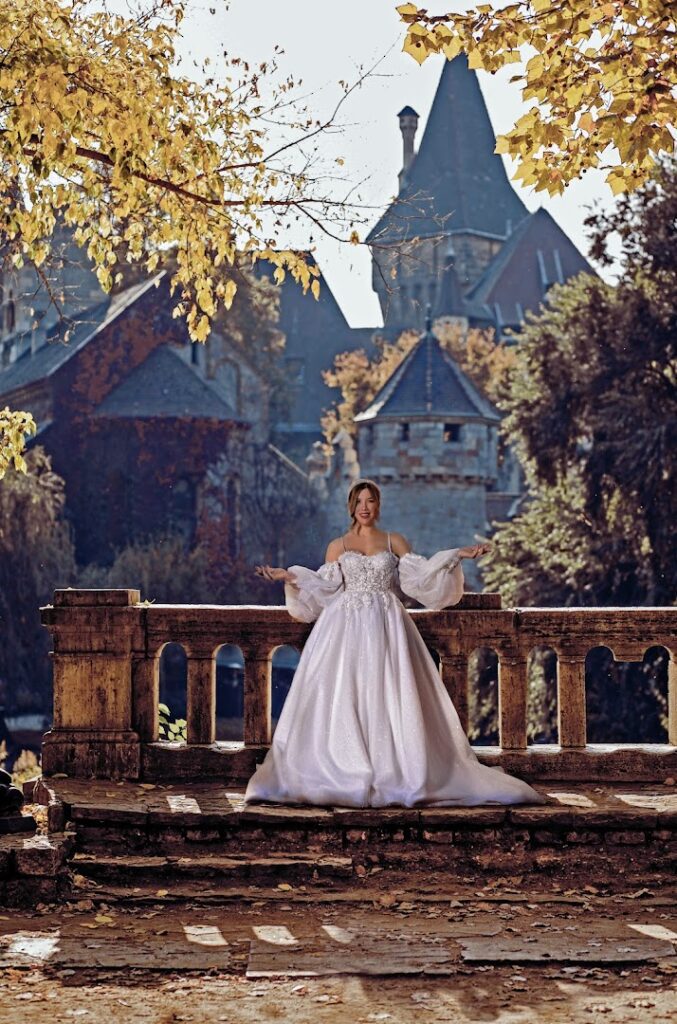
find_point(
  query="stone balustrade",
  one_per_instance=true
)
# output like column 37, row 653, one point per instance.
column 107, row 648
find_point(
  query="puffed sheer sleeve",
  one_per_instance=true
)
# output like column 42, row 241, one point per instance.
column 313, row 590
column 435, row 582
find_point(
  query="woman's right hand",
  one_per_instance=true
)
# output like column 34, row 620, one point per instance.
column 269, row 572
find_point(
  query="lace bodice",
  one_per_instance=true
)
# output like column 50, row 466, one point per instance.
column 357, row 581
column 368, row 573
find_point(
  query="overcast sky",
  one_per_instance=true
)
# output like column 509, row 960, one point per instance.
column 325, row 42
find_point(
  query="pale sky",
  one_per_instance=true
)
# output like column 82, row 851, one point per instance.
column 325, row 42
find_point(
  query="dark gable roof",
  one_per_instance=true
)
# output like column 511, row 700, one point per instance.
column 165, row 386
column 55, row 353
column 456, row 181
column 537, row 255
column 429, row 383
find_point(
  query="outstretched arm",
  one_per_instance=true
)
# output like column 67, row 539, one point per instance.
column 270, row 572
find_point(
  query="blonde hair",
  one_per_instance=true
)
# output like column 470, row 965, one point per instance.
column 354, row 494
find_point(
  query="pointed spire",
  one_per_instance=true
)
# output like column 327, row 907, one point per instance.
column 455, row 181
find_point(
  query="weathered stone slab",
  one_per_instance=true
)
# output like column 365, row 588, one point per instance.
column 16, row 823
column 118, row 813
column 564, row 948
column 197, row 948
column 447, row 817
column 40, row 855
column 351, row 952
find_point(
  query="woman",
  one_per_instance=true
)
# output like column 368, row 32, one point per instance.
column 368, row 722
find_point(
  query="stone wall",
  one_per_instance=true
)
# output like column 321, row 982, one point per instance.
column 434, row 491
column 407, row 277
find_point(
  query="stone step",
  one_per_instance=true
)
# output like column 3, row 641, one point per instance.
column 222, row 869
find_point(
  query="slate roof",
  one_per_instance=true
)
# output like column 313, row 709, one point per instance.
column 55, row 353
column 537, row 255
column 165, row 386
column 455, row 181
column 429, row 383
column 451, row 301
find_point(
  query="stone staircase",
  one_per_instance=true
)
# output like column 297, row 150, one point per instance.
column 133, row 841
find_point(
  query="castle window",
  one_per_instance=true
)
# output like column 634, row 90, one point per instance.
column 10, row 315
column 296, row 371
column 404, row 432
column 182, row 509
column 452, row 432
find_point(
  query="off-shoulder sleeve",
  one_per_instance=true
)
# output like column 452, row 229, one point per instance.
column 313, row 590
column 435, row 582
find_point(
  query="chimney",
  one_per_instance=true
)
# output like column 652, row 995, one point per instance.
column 408, row 125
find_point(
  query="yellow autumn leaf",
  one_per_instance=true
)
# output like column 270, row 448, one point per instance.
column 569, row 82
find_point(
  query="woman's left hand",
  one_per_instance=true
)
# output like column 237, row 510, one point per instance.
column 474, row 551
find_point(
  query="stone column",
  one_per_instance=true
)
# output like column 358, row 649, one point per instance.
column 201, row 696
column 672, row 699
column 94, row 633
column 146, row 697
column 454, row 671
column 571, row 723
column 512, row 702
column 257, row 694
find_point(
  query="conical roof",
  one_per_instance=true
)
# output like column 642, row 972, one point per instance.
column 429, row 383
column 456, row 181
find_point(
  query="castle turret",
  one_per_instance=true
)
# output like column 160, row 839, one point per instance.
column 429, row 439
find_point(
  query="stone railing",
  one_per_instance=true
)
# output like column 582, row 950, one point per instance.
column 107, row 649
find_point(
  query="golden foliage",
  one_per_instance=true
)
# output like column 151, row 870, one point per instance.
column 14, row 426
column 101, row 130
column 600, row 75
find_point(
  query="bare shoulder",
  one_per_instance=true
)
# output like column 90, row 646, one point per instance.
column 400, row 544
column 334, row 549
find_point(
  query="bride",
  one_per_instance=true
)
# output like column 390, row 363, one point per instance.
column 368, row 722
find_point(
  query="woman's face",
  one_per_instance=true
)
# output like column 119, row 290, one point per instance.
column 366, row 511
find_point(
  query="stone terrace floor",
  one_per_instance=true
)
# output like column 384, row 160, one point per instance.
column 382, row 936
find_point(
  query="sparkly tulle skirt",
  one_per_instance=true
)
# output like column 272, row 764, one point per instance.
column 369, row 723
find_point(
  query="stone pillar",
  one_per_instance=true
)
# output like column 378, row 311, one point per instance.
column 571, row 724
column 512, row 702
column 201, row 696
column 454, row 672
column 672, row 699
column 146, row 697
column 94, row 633
column 257, row 694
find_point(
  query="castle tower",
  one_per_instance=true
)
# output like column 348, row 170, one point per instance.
column 456, row 187
column 429, row 439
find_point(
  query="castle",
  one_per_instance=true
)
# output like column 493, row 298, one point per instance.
column 146, row 427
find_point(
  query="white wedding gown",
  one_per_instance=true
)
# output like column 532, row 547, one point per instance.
column 367, row 721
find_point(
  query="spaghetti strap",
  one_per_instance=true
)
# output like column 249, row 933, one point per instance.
column 343, row 541
column 389, row 545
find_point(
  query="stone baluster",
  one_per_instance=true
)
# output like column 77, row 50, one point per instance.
column 94, row 634
column 201, row 695
column 571, row 720
column 257, row 693
column 672, row 699
column 146, row 696
column 454, row 672
column 512, row 702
